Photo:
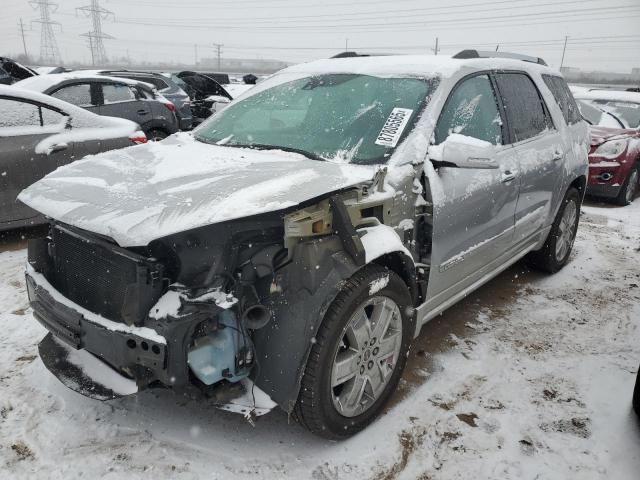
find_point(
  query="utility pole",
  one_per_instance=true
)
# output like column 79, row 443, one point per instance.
column 564, row 49
column 49, row 53
column 195, row 53
column 346, row 44
column 435, row 50
column 219, row 46
column 497, row 47
column 96, row 36
column 24, row 43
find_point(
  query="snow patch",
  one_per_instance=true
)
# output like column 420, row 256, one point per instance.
column 378, row 284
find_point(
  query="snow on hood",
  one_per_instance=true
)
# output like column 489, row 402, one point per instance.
column 600, row 134
column 142, row 193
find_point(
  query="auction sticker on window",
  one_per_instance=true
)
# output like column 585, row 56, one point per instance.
column 393, row 127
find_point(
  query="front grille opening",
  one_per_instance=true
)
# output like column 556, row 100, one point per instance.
column 102, row 279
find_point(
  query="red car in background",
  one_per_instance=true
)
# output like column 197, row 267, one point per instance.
column 614, row 156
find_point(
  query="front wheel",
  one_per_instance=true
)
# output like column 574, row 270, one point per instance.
column 629, row 188
column 358, row 356
column 556, row 251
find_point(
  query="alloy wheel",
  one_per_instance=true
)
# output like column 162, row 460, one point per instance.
column 567, row 230
column 366, row 356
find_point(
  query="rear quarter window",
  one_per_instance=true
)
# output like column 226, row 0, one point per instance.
column 523, row 104
column 564, row 98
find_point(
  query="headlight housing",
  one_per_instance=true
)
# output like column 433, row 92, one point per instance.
column 611, row 149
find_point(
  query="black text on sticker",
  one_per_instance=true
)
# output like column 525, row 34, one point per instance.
column 393, row 127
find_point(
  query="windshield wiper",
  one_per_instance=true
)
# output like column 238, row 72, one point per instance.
column 260, row 146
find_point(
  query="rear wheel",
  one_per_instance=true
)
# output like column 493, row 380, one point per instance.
column 629, row 188
column 156, row 135
column 358, row 356
column 556, row 251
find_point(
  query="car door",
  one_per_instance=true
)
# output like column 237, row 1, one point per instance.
column 473, row 223
column 540, row 152
column 121, row 100
column 23, row 126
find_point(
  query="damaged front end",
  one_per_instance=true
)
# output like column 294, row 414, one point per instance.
column 229, row 308
column 177, row 313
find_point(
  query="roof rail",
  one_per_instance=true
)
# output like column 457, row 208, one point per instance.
column 464, row 54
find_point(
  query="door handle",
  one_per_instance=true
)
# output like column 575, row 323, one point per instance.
column 143, row 112
column 507, row 176
column 558, row 155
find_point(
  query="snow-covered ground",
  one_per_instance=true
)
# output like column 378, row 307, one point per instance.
column 528, row 378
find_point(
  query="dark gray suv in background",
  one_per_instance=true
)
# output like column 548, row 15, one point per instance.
column 113, row 97
column 167, row 87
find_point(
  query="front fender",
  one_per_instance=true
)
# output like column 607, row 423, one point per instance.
column 303, row 291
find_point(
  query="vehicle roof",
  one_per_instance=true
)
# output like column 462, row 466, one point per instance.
column 41, row 83
column 420, row 65
column 614, row 95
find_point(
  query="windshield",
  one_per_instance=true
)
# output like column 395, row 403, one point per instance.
column 628, row 112
column 344, row 117
column 597, row 116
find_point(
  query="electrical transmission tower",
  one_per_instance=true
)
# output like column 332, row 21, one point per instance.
column 96, row 36
column 49, row 52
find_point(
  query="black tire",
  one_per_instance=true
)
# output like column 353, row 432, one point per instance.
column 155, row 135
column 546, row 258
column 315, row 408
column 629, row 187
column 636, row 394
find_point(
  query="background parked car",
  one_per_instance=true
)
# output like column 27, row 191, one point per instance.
column 166, row 86
column 624, row 105
column 614, row 155
column 11, row 71
column 207, row 95
column 38, row 134
column 113, row 97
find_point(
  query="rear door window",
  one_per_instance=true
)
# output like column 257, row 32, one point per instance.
column 77, row 94
column 156, row 82
column 25, row 118
column 564, row 97
column 523, row 104
column 117, row 92
column 471, row 110
column 18, row 114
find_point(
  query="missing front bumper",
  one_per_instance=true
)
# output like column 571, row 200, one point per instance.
column 82, row 372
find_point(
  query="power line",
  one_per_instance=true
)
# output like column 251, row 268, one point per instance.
column 582, row 15
column 96, row 36
column 378, row 14
column 24, row 43
column 49, row 52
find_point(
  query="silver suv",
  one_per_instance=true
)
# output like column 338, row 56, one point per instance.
column 289, row 249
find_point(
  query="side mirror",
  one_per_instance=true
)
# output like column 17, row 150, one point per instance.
column 460, row 151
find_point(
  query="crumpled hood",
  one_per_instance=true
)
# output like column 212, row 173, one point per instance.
column 141, row 193
column 599, row 134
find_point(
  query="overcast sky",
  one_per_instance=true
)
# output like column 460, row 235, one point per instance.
column 603, row 34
